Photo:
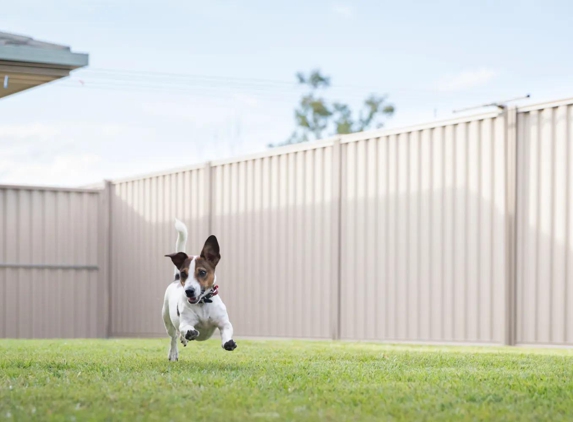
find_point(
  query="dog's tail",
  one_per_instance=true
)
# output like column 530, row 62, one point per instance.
column 181, row 236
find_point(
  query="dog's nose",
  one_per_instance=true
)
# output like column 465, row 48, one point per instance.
column 190, row 293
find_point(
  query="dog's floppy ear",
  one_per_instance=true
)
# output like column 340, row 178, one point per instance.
column 210, row 251
column 178, row 258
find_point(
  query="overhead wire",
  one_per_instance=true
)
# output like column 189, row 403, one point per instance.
column 249, row 86
column 187, row 93
column 205, row 86
column 168, row 86
column 219, row 79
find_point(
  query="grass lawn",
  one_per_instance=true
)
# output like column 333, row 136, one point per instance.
column 280, row 380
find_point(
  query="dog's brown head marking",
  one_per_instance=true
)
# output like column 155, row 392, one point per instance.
column 203, row 266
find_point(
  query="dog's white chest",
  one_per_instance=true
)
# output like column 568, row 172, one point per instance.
column 205, row 316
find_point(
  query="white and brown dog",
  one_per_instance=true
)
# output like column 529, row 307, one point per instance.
column 192, row 309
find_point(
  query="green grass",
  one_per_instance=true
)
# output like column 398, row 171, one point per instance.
column 280, row 380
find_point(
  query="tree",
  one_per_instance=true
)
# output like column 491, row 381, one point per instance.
column 315, row 115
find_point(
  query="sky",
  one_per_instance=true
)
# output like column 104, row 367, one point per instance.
column 176, row 83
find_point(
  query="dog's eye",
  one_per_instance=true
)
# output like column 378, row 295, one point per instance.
column 183, row 275
column 202, row 273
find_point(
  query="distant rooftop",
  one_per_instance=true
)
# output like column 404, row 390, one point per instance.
column 26, row 63
column 13, row 39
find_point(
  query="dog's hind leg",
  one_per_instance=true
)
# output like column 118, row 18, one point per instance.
column 172, row 331
column 173, row 351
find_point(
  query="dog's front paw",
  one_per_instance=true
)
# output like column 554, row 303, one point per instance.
column 230, row 346
column 191, row 335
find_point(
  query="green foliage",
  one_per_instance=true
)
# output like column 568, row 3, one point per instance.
column 315, row 115
column 131, row 380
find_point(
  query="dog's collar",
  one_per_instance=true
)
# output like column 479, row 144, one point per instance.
column 207, row 298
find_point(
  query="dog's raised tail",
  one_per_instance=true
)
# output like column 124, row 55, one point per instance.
column 181, row 236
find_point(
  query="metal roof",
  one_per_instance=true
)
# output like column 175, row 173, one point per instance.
column 26, row 63
column 14, row 39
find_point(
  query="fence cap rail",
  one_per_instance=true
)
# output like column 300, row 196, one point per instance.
column 380, row 133
column 288, row 149
column 169, row 172
column 50, row 188
column 546, row 104
column 48, row 266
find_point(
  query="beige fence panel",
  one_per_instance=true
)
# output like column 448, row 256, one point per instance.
column 49, row 281
column 423, row 233
column 545, row 225
column 142, row 218
column 275, row 217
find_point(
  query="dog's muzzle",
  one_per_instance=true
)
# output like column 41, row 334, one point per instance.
column 191, row 296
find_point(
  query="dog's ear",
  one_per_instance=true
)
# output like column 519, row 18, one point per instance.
column 178, row 258
column 210, row 251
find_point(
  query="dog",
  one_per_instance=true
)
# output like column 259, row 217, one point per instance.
column 192, row 308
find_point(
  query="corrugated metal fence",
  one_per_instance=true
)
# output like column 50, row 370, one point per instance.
column 423, row 239
column 451, row 232
column 142, row 233
column 274, row 216
column 545, row 225
column 52, row 281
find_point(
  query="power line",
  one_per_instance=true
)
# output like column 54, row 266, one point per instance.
column 225, row 82
column 168, row 86
column 280, row 90
column 228, row 79
column 177, row 90
column 131, row 73
column 227, row 100
column 177, row 84
column 200, row 90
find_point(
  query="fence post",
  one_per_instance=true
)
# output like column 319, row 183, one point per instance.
column 511, row 145
column 104, row 260
column 209, row 199
column 337, row 238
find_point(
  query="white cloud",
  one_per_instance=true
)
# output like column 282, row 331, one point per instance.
column 25, row 131
column 466, row 80
column 70, row 170
column 60, row 153
column 343, row 10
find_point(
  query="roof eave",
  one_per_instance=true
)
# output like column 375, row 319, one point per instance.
column 45, row 57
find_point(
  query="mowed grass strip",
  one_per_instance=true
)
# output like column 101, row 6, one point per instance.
column 280, row 380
